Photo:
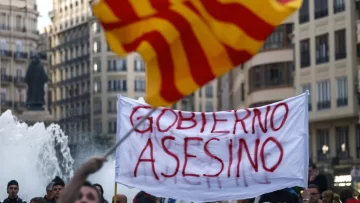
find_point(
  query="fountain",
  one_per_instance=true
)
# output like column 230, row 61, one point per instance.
column 34, row 155
column 28, row 155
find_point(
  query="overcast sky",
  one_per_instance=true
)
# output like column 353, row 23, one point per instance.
column 44, row 6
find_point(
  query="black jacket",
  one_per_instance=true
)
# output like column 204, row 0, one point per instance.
column 17, row 200
column 321, row 181
column 49, row 200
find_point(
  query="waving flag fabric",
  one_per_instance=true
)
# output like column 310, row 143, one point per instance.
column 187, row 43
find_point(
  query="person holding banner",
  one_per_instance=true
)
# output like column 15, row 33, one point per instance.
column 79, row 190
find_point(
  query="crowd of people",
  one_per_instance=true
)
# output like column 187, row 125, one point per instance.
column 79, row 190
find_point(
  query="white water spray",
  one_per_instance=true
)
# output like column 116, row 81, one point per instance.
column 28, row 155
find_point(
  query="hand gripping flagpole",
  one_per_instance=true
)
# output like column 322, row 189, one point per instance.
column 113, row 148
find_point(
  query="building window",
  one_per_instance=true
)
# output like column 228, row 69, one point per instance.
column 340, row 44
column 305, row 88
column 97, row 87
column 18, row 23
column 98, row 126
column 341, row 92
column 139, row 65
column 321, row 8
column 97, row 47
column 97, row 67
column 112, row 127
column 339, row 6
column 322, row 136
column 118, row 65
column 3, row 97
column 305, row 53
column 96, row 27
column 342, row 143
column 117, row 85
column 139, row 85
column 112, row 106
column 3, row 45
column 209, row 106
column 322, row 49
column 271, row 75
column 279, row 38
column 18, row 46
column 3, row 21
column 323, row 95
column 209, row 91
column 304, row 12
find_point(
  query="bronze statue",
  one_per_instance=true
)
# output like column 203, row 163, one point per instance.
column 35, row 78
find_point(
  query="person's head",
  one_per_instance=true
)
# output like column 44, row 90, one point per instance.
column 49, row 190
column 328, row 196
column 99, row 188
column 277, row 196
column 345, row 195
column 58, row 186
column 314, row 192
column 89, row 194
column 336, row 198
column 312, row 169
column 13, row 189
column 120, row 199
column 38, row 200
column 143, row 197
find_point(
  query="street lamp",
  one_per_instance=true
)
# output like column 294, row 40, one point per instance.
column 325, row 149
column 343, row 147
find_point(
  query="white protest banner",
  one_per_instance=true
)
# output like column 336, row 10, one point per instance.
column 214, row 156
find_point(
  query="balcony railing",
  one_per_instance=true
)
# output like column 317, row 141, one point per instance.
column 112, row 110
column 43, row 56
column 97, row 111
column 303, row 17
column 5, row 78
column 20, row 55
column 342, row 102
column 4, row 27
column 343, row 155
column 19, row 80
column 6, row 103
column 321, row 13
column 5, row 53
column 321, row 156
column 323, row 105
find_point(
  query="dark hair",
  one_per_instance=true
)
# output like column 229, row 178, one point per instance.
column 12, row 182
column 101, row 188
column 88, row 184
column 314, row 187
column 345, row 195
column 58, row 181
column 312, row 165
column 278, row 196
column 38, row 200
column 49, row 187
column 143, row 197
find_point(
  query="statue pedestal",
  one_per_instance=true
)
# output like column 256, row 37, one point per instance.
column 32, row 117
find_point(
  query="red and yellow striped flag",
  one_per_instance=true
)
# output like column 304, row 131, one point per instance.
column 188, row 43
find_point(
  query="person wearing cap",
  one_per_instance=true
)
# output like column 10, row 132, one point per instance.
column 143, row 197
column 12, row 190
column 57, row 188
